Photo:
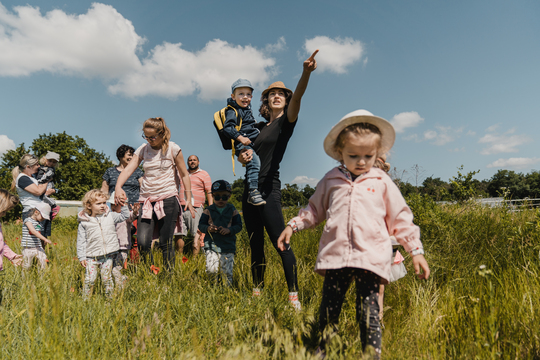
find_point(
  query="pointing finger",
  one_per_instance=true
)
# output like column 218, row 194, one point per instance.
column 312, row 57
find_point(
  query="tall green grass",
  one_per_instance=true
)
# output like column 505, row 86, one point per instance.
column 482, row 300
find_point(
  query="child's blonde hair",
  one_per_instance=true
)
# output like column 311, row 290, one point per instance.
column 26, row 160
column 91, row 197
column 7, row 201
column 382, row 164
column 158, row 124
column 360, row 129
column 43, row 161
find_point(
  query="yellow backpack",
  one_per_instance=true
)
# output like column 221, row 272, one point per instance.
column 219, row 122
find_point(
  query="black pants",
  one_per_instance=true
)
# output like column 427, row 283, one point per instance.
column 165, row 228
column 336, row 284
column 269, row 216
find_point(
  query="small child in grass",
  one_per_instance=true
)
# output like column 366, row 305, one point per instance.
column 32, row 238
column 7, row 202
column 97, row 241
column 123, row 231
column 363, row 208
column 220, row 222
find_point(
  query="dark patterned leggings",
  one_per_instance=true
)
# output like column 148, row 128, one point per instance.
column 336, row 284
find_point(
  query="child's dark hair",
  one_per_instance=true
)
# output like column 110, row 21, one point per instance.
column 359, row 129
column 123, row 150
column 264, row 109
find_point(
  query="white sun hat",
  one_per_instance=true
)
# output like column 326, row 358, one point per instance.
column 360, row 116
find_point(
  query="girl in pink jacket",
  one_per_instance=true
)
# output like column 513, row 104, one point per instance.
column 7, row 202
column 362, row 207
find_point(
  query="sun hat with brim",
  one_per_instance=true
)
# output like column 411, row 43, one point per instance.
column 360, row 116
column 44, row 209
column 276, row 85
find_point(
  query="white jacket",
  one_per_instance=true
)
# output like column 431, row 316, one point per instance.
column 97, row 234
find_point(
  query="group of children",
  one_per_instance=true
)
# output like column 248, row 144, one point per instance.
column 361, row 205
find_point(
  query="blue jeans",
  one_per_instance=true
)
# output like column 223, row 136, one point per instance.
column 252, row 168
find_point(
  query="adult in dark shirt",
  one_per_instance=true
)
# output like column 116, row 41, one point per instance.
column 133, row 183
column 280, row 107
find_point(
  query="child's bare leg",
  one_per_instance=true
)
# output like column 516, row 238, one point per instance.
column 196, row 244
column 179, row 241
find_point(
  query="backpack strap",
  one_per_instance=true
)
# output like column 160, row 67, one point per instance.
column 237, row 127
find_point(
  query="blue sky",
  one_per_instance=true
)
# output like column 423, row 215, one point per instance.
column 458, row 79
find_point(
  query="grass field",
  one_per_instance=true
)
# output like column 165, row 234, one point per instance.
column 481, row 302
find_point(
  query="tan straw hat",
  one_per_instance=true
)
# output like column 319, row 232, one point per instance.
column 360, row 116
column 276, row 85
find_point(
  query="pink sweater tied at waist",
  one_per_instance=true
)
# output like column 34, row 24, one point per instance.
column 147, row 208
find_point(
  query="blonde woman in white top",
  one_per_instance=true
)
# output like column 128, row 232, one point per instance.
column 160, row 205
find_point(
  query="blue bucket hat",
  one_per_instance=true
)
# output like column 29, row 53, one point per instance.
column 241, row 83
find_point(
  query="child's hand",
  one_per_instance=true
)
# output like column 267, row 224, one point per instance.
column 83, row 263
column 50, row 192
column 420, row 262
column 224, row 231
column 135, row 207
column 17, row 261
column 244, row 140
column 285, row 238
column 47, row 241
column 311, row 64
column 213, row 228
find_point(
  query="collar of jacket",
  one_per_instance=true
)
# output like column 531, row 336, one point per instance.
column 373, row 173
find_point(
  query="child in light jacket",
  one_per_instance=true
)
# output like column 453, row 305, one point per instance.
column 97, row 242
column 363, row 208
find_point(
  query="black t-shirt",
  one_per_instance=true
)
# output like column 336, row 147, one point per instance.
column 24, row 182
column 270, row 145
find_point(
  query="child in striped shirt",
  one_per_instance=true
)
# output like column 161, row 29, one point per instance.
column 31, row 237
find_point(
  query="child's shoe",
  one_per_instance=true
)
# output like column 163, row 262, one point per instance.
column 255, row 198
column 293, row 300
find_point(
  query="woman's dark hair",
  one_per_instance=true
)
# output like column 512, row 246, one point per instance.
column 122, row 150
column 264, row 110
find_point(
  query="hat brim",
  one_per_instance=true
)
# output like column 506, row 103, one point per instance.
column 360, row 116
column 276, row 87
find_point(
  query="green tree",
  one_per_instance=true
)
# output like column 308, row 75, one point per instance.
column 510, row 183
column 308, row 191
column 463, row 186
column 237, row 192
column 291, row 196
column 80, row 168
column 437, row 189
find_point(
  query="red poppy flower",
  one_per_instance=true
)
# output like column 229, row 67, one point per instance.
column 154, row 269
column 184, row 260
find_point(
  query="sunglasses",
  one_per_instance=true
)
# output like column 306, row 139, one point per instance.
column 222, row 197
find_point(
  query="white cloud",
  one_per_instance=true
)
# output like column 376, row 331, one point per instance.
column 171, row 71
column 457, row 150
column 439, row 136
column 304, row 180
column 514, row 163
column 335, row 55
column 492, row 128
column 471, row 133
column 505, row 143
column 104, row 44
column 5, row 145
column 99, row 43
column 405, row 120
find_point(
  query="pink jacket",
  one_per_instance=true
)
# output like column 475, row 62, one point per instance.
column 360, row 218
column 4, row 250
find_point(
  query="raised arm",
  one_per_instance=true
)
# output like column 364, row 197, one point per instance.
column 294, row 106
column 184, row 175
